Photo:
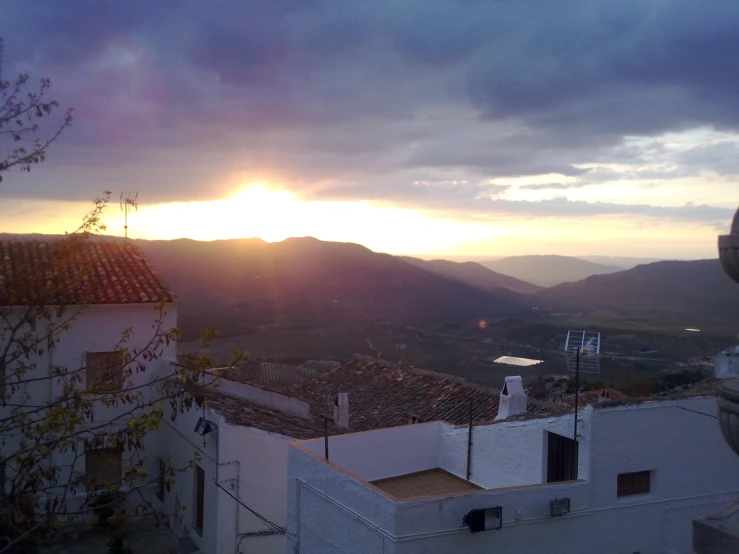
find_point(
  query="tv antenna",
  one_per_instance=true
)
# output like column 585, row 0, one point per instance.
column 582, row 351
column 128, row 203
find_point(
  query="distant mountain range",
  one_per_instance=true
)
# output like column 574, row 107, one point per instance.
column 698, row 288
column 308, row 283
column 624, row 262
column 548, row 270
column 305, row 281
column 473, row 274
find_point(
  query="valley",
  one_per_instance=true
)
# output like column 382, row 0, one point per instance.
column 303, row 299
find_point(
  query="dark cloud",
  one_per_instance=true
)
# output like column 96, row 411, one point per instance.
column 364, row 99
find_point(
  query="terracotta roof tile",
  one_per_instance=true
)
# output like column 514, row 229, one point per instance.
column 593, row 397
column 275, row 375
column 321, row 365
column 381, row 395
column 73, row 271
column 240, row 412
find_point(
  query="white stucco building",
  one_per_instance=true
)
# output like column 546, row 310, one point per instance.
column 235, row 500
column 99, row 298
column 644, row 471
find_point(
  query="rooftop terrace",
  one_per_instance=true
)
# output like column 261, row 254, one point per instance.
column 420, row 484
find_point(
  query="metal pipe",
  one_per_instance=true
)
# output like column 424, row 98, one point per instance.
column 469, row 445
column 577, row 386
column 325, row 437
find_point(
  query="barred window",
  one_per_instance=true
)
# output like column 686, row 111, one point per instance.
column 103, row 467
column 630, row 484
column 105, row 370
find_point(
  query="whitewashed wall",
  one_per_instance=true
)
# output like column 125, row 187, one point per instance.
column 385, row 452
column 503, row 454
column 99, row 329
column 39, row 390
column 513, row 453
column 250, row 464
column 179, row 444
column 695, row 474
column 262, row 484
column 322, row 507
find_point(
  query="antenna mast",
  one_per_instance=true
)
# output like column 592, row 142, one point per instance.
column 582, row 350
column 127, row 203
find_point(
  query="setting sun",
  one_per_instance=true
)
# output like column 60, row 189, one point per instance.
column 274, row 214
column 259, row 195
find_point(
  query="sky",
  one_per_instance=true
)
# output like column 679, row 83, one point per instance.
column 432, row 127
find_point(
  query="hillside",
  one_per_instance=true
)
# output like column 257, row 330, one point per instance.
column 549, row 270
column 698, row 289
column 624, row 262
column 473, row 274
column 304, row 282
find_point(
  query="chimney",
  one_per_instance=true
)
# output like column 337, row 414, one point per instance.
column 726, row 363
column 341, row 410
column 512, row 398
column 604, row 397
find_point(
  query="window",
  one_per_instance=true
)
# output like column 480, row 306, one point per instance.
column 161, row 484
column 562, row 457
column 630, row 484
column 199, row 484
column 105, row 370
column 103, row 467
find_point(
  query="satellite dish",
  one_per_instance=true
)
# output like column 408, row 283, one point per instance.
column 584, row 345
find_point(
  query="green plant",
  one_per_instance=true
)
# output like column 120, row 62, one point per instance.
column 105, row 504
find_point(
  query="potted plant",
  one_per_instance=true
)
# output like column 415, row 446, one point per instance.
column 105, row 504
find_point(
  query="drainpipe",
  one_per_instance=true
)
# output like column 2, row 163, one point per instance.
column 50, row 350
column 469, row 445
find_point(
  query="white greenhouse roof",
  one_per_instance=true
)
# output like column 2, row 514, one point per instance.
column 512, row 360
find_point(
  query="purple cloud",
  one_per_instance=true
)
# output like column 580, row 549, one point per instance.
column 172, row 97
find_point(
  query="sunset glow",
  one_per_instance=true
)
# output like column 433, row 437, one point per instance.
column 420, row 143
column 274, row 215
